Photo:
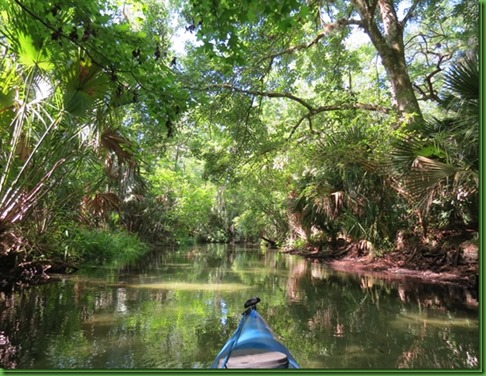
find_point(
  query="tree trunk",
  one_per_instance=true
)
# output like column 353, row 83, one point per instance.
column 390, row 47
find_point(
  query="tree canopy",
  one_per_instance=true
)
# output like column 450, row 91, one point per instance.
column 292, row 121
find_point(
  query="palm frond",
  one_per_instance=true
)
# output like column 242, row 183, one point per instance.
column 463, row 81
column 85, row 87
column 428, row 178
column 112, row 141
column 99, row 205
column 30, row 56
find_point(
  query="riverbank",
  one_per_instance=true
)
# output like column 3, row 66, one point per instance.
column 447, row 257
column 24, row 263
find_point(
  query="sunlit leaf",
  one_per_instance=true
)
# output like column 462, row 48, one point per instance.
column 30, row 56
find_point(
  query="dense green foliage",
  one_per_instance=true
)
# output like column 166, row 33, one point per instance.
column 298, row 104
column 71, row 73
column 99, row 246
column 290, row 122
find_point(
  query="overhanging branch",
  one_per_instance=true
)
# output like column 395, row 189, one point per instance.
column 311, row 110
column 269, row 94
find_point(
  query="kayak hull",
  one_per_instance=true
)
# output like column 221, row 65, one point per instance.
column 253, row 345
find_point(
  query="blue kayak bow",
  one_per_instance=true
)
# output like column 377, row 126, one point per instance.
column 253, row 345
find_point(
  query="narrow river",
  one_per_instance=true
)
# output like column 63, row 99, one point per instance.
column 175, row 309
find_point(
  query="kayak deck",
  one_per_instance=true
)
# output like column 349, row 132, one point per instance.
column 255, row 358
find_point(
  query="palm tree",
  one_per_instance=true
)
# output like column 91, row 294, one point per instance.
column 51, row 124
column 347, row 191
column 440, row 166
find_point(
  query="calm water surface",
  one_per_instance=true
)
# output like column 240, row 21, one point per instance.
column 176, row 309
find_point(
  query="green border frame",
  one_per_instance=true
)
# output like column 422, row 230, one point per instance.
column 238, row 372
column 480, row 370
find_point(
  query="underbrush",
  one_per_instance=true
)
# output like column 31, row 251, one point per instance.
column 99, row 246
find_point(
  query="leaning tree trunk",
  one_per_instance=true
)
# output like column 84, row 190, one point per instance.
column 389, row 44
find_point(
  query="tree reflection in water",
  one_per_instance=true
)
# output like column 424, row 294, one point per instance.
column 176, row 309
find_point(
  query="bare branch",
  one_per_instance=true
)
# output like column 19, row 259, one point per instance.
column 429, row 92
column 294, row 128
column 409, row 14
column 422, row 92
